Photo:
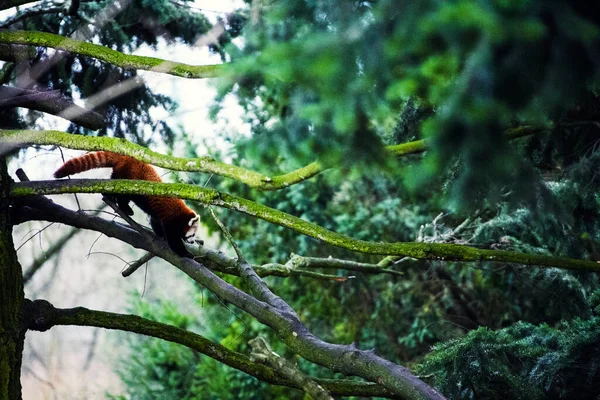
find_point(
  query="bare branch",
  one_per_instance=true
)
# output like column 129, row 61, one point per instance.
column 134, row 266
column 142, row 230
column 227, row 235
column 24, row 99
column 47, row 255
column 262, row 353
column 52, row 103
column 258, row 287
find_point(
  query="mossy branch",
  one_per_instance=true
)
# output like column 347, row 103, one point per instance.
column 420, row 146
column 22, row 138
column 297, row 261
column 116, row 58
column 207, row 196
column 262, row 352
column 41, row 316
column 216, row 260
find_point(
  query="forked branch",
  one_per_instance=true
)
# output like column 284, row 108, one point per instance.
column 339, row 358
column 41, row 316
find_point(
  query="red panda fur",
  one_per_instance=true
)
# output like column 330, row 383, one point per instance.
column 170, row 218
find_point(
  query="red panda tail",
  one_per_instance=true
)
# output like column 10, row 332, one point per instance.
column 86, row 162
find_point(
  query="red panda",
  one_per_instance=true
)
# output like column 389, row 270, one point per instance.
column 170, row 218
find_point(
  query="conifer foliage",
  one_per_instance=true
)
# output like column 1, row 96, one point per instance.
column 498, row 104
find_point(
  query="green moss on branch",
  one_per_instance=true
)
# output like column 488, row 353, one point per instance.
column 126, row 61
column 21, row 138
column 42, row 316
column 420, row 146
column 429, row 251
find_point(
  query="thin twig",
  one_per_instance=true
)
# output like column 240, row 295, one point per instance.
column 144, row 231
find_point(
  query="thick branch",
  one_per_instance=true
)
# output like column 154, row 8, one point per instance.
column 429, row 251
column 41, row 316
column 28, row 98
column 22, row 138
column 340, row 358
column 50, row 103
column 126, row 61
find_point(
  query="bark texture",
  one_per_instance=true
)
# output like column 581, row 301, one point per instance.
column 12, row 333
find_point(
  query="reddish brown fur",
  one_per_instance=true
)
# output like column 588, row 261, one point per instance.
column 172, row 212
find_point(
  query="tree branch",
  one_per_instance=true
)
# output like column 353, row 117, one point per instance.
column 5, row 4
column 23, row 138
column 118, row 59
column 258, row 287
column 339, row 358
column 50, row 103
column 29, row 98
column 40, row 315
column 134, row 266
column 262, row 353
column 16, row 53
column 427, row 251
column 218, row 261
column 47, row 255
column 30, row 12
column 297, row 261
column 420, row 146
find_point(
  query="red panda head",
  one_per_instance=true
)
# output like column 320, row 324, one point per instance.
column 190, row 230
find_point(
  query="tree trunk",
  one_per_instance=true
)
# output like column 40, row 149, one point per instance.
column 12, row 333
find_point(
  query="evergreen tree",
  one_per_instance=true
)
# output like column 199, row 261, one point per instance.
column 504, row 95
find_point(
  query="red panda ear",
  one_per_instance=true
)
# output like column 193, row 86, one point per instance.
column 193, row 220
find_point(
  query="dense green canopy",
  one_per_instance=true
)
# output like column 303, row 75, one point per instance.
column 336, row 81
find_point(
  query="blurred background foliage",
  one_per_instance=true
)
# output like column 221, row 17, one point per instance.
column 336, row 81
column 123, row 25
